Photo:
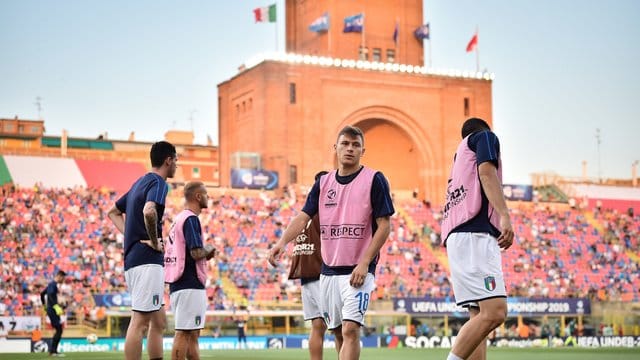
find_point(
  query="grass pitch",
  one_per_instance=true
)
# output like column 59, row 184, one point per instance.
column 376, row 354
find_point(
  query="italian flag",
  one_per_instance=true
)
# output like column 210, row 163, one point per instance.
column 265, row 14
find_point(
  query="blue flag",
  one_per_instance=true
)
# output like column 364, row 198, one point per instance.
column 320, row 24
column 422, row 32
column 353, row 23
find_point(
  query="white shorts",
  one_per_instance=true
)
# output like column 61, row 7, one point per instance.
column 476, row 268
column 189, row 308
column 341, row 301
column 311, row 300
column 146, row 286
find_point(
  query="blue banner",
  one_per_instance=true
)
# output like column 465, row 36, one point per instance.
column 515, row 306
column 254, row 179
column 112, row 300
column 117, row 344
column 518, row 192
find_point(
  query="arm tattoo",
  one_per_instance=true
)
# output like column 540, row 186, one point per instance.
column 199, row 253
column 151, row 225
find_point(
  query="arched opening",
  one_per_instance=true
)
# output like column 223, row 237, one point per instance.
column 389, row 149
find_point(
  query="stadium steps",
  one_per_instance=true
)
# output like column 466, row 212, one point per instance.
column 633, row 256
column 438, row 253
column 594, row 222
column 231, row 290
column 551, row 193
column 411, row 225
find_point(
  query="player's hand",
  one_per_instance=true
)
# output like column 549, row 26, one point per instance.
column 44, row 311
column 506, row 237
column 274, row 254
column 211, row 251
column 358, row 275
column 58, row 309
column 159, row 247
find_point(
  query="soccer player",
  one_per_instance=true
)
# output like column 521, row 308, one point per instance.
column 354, row 205
column 475, row 226
column 144, row 205
column 185, row 262
column 305, row 265
column 49, row 298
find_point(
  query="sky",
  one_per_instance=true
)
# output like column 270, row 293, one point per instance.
column 563, row 69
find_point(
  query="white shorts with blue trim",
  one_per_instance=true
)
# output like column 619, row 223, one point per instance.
column 476, row 268
column 341, row 301
column 146, row 286
column 311, row 300
column 189, row 308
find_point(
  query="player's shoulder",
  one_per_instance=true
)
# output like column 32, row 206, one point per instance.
column 482, row 137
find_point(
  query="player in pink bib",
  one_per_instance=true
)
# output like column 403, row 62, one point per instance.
column 475, row 226
column 185, row 263
column 354, row 206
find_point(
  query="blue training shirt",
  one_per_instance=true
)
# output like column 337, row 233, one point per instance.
column 487, row 148
column 150, row 187
column 381, row 205
column 51, row 294
column 193, row 240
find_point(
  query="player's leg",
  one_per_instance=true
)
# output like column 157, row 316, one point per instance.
column 356, row 303
column 331, row 306
column 179, row 350
column 351, row 344
column 138, row 326
column 480, row 353
column 337, row 333
column 55, row 323
column 476, row 274
column 311, row 310
column 474, row 332
column 157, row 325
column 316, row 338
column 193, row 352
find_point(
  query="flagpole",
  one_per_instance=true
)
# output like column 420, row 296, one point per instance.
column 276, row 33
column 363, row 38
column 329, row 40
column 430, row 64
column 477, row 50
column 396, row 41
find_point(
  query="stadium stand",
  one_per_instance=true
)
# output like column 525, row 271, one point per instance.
column 560, row 251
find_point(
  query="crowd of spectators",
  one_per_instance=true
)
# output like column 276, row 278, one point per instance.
column 559, row 250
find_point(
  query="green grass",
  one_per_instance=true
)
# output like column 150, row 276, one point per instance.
column 377, row 354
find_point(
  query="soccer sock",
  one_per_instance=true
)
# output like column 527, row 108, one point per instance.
column 453, row 356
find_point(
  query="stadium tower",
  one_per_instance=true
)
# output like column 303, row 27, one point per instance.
column 286, row 109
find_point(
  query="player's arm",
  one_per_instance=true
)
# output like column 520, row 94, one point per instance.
column 43, row 295
column 379, row 238
column 192, row 231
column 150, row 214
column 296, row 226
column 492, row 187
column 382, row 206
column 117, row 218
column 116, row 213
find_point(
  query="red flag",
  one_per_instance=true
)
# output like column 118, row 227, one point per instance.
column 473, row 43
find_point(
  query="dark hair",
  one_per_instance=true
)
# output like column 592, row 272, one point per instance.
column 160, row 151
column 61, row 273
column 351, row 131
column 473, row 125
column 319, row 174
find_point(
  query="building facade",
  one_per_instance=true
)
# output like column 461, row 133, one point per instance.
column 288, row 108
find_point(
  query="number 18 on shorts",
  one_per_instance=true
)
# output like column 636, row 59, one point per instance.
column 341, row 301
